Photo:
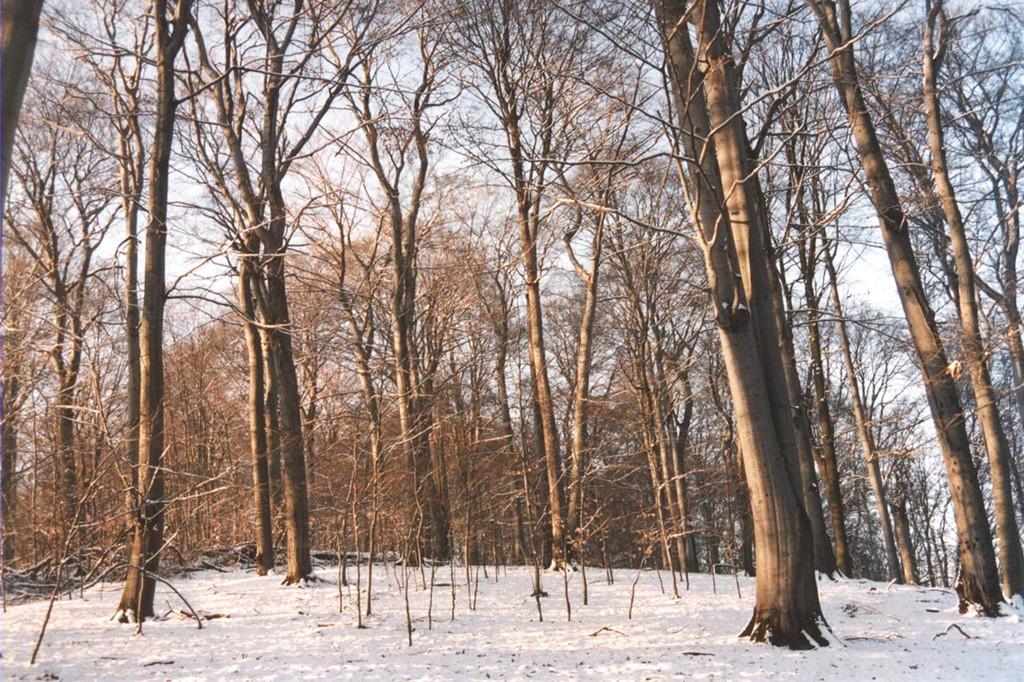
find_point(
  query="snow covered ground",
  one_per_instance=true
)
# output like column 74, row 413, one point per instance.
column 269, row 632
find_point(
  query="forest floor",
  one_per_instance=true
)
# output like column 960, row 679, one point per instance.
column 260, row 630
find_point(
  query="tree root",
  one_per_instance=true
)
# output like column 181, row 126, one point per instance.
column 595, row 633
column 300, row 580
column 762, row 630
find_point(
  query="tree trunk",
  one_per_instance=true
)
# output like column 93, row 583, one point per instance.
column 980, row 580
column 827, row 434
column 139, row 588
column 11, row 396
column 434, row 472
column 257, row 420
column 657, row 486
column 824, row 559
column 309, row 417
column 20, row 26
column 131, row 179
column 545, row 401
column 528, row 221
column 415, row 420
column 786, row 609
column 1011, row 556
column 65, row 418
column 906, row 546
column 581, row 393
column 863, row 423
column 679, row 448
column 664, row 417
column 293, row 479
column 1014, row 333
column 745, row 205
column 271, row 414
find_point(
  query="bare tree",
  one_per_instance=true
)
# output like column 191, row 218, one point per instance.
column 787, row 611
column 1011, row 557
column 395, row 132
column 979, row 583
column 171, row 25
column 289, row 48
column 863, row 423
column 61, row 175
column 524, row 54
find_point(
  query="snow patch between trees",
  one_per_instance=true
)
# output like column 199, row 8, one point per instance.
column 254, row 628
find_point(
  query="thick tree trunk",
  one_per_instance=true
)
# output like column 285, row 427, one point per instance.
column 980, row 580
column 293, row 470
column 20, row 27
column 786, row 609
column 746, row 518
column 144, row 557
column 1011, row 556
column 257, row 420
column 745, row 205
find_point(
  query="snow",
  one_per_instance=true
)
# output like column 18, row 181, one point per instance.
column 268, row 632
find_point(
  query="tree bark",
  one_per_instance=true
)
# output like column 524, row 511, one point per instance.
column 539, row 373
column 131, row 178
column 293, row 470
column 20, row 27
column 257, row 419
column 11, row 398
column 581, row 392
column 271, row 414
column 679, row 449
column 902, row 526
column 64, row 415
column 824, row 558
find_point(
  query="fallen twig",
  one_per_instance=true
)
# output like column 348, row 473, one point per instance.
column 595, row 633
column 950, row 627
